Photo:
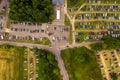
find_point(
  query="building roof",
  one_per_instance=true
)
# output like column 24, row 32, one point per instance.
column 57, row 2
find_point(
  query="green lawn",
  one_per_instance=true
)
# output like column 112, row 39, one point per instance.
column 81, row 64
column 81, row 37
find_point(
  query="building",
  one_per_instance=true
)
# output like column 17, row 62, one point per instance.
column 58, row 12
column 58, row 2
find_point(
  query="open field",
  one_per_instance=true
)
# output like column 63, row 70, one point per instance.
column 74, row 3
column 11, row 63
column 81, row 64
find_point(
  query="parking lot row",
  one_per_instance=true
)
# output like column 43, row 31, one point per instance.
column 26, row 23
column 93, row 36
column 89, row 16
column 27, row 30
column 106, row 8
column 97, row 25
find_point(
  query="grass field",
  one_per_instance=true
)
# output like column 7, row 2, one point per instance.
column 11, row 63
column 44, row 41
column 67, row 22
column 81, row 64
column 74, row 3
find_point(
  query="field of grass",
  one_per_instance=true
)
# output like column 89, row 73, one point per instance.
column 45, row 41
column 74, row 3
column 81, row 37
column 67, row 22
column 81, row 64
column 11, row 63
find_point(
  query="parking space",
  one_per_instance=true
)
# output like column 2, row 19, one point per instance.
column 109, row 61
column 2, row 23
column 2, row 35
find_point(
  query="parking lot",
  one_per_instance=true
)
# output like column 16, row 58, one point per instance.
column 57, row 34
column 26, row 31
column 109, row 61
column 30, row 65
column 96, row 19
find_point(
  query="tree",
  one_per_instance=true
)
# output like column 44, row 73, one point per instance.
column 31, row 10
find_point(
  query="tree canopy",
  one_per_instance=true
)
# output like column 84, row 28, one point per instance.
column 31, row 10
column 109, row 43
